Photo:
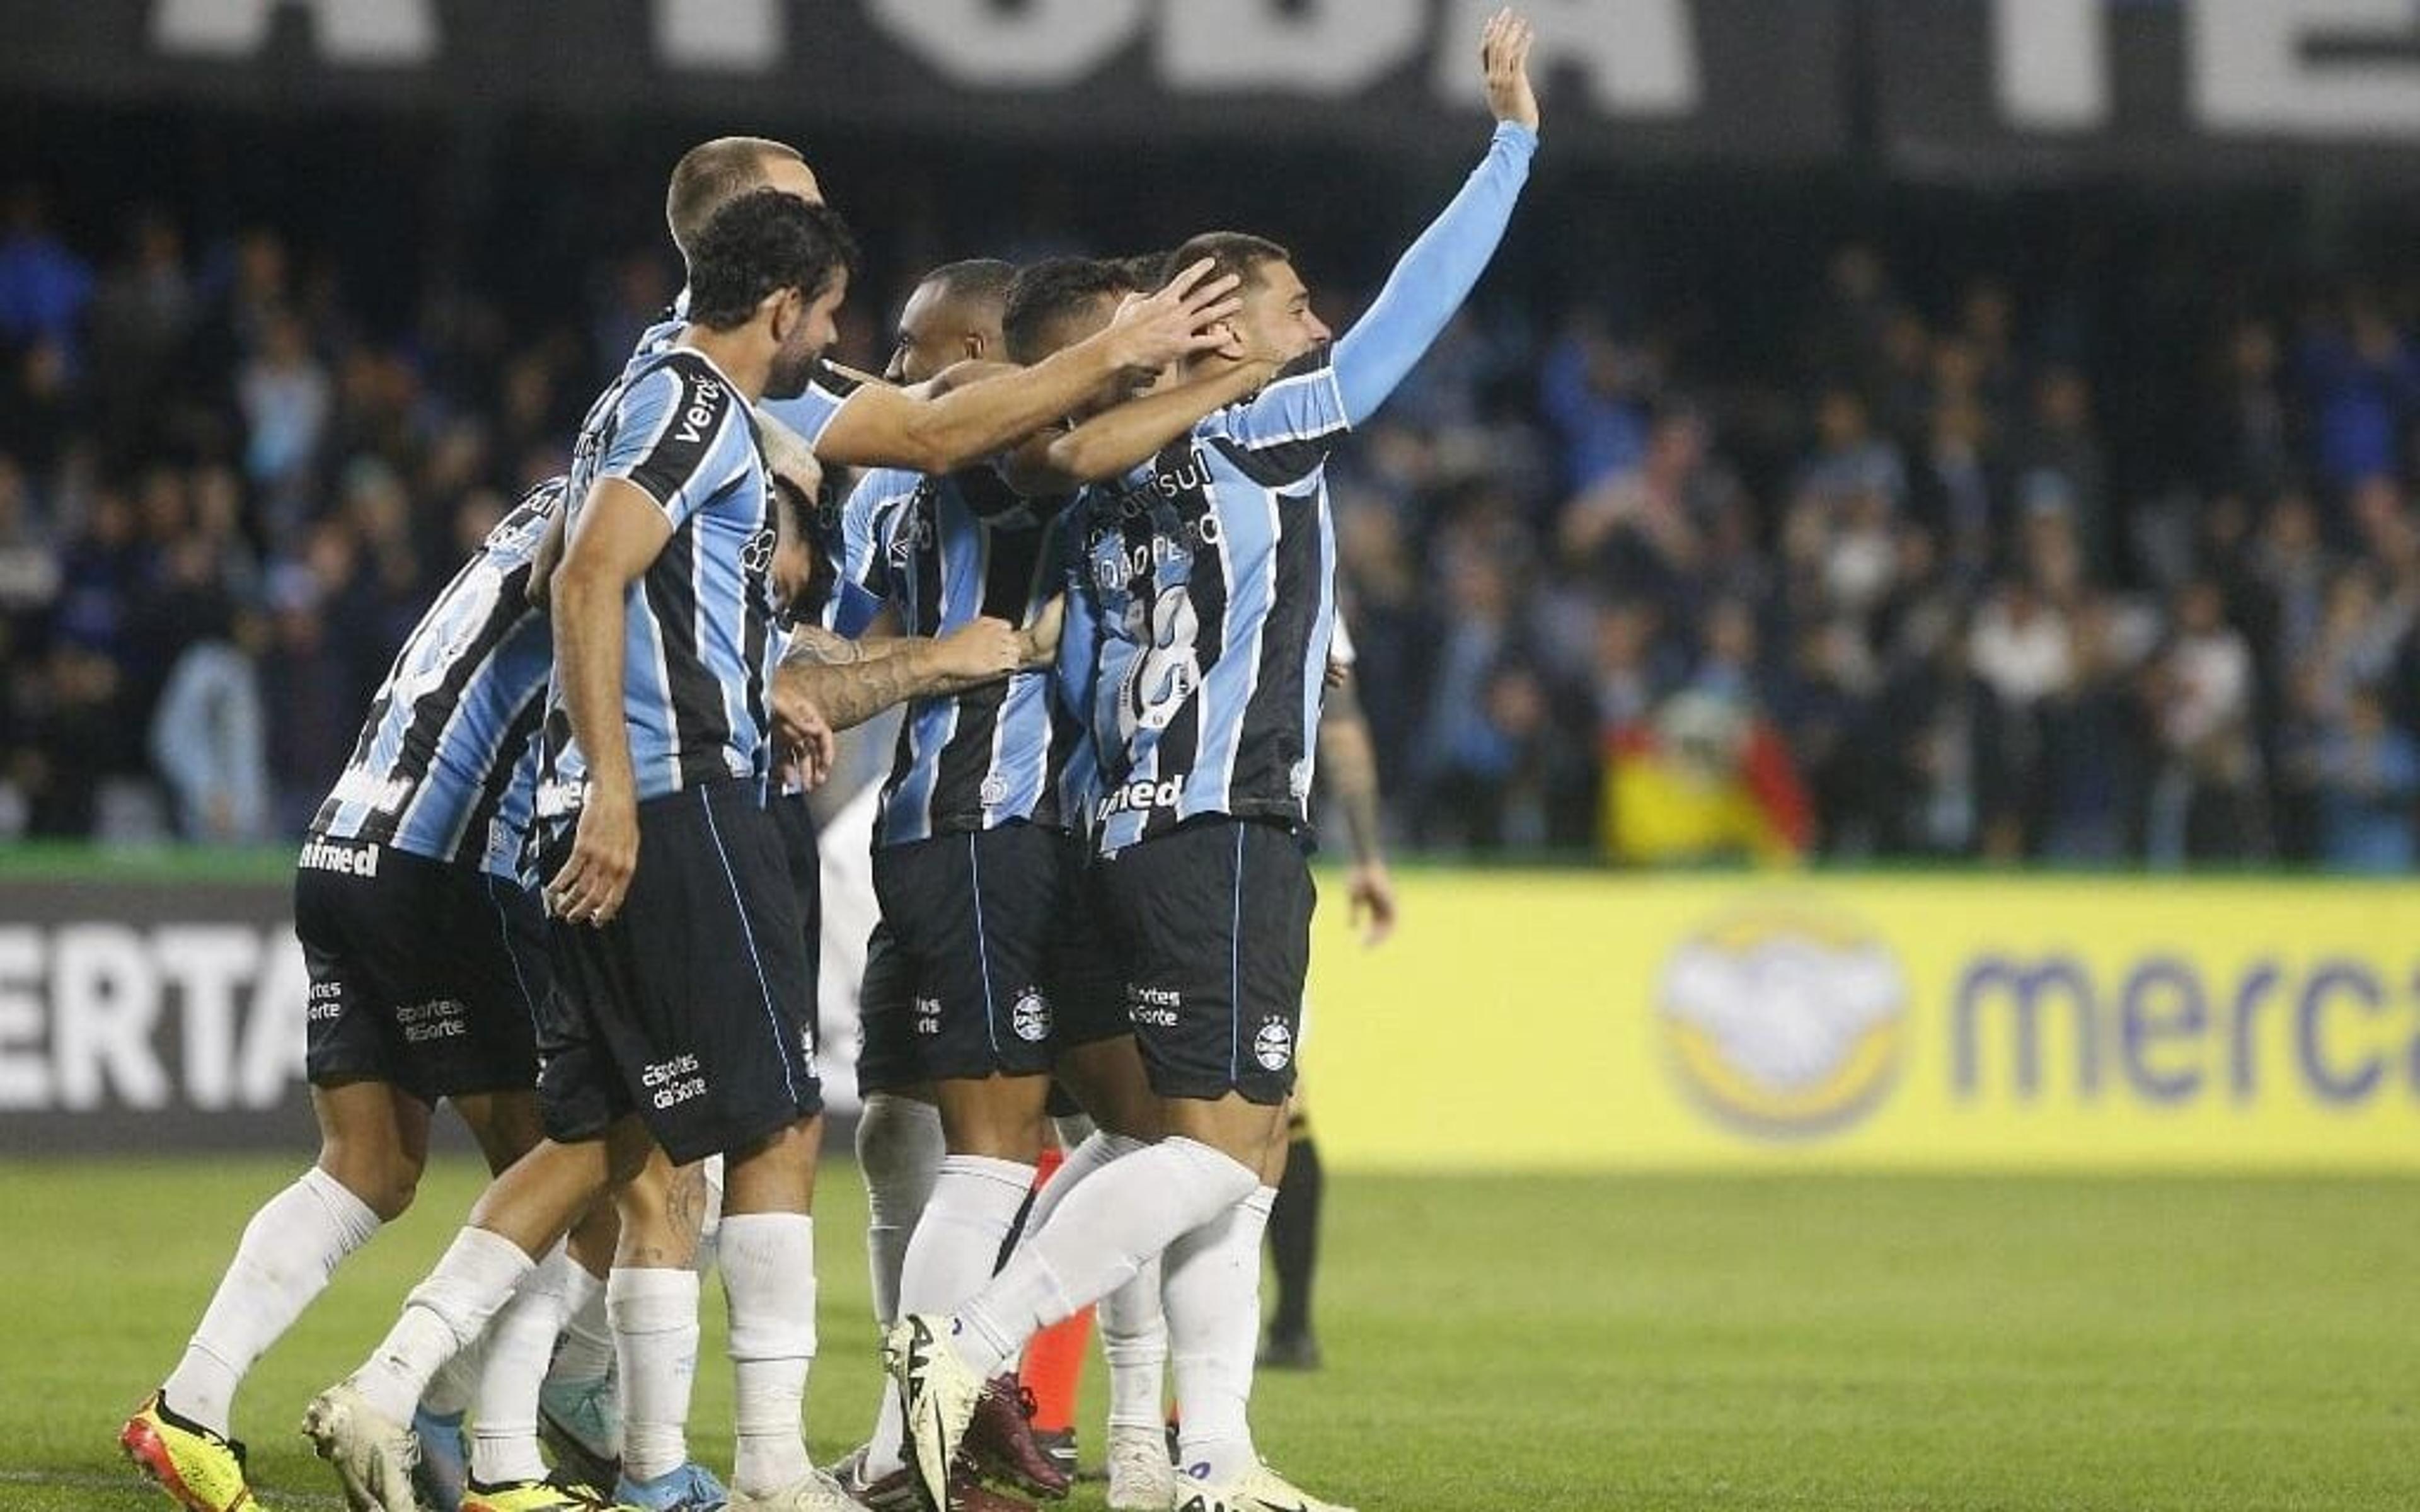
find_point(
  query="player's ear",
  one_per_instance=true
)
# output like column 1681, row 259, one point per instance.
column 787, row 307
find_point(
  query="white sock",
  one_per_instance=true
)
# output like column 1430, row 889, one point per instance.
column 956, row 1248
column 455, row 1385
column 586, row 1352
column 1107, row 1225
column 654, row 1313
column 503, row 1436
column 1212, row 1290
column 768, row 1276
column 899, row 1148
column 1089, row 1157
column 709, row 1216
column 288, row 1251
column 1134, row 1341
column 444, row 1314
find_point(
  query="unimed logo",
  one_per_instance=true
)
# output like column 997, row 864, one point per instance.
column 2339, row 1030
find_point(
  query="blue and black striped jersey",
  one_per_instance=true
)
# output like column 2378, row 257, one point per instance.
column 942, row 551
column 700, row 642
column 1209, row 587
column 441, row 756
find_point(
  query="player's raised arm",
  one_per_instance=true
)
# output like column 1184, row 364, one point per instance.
column 884, row 428
column 1441, row 269
column 1129, row 434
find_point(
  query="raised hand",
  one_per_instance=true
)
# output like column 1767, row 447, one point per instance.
column 1186, row 316
column 1504, row 54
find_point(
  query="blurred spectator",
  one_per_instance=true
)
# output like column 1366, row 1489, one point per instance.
column 284, row 395
column 2205, row 802
column 209, row 738
column 1594, row 389
column 2367, row 774
column 43, row 284
column 2361, row 381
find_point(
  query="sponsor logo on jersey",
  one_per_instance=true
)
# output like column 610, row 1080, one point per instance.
column 1784, row 1020
column 704, row 408
column 345, row 858
column 1142, row 794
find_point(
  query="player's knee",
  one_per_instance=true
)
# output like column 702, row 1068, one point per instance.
column 385, row 1180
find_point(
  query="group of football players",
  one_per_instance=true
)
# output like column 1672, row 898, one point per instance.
column 568, row 880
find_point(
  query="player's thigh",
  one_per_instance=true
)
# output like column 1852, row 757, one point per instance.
column 1214, row 923
column 886, row 1060
column 689, row 1006
column 975, row 916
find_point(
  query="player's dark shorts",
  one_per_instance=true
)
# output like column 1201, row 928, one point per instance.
column 886, row 1020
column 972, row 918
column 795, row 819
column 692, row 1007
column 424, row 975
column 1215, row 920
column 1087, row 974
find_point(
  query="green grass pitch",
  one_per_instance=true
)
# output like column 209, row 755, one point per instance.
column 1506, row 1343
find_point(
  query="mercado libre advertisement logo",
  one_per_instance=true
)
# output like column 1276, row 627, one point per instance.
column 1785, row 1021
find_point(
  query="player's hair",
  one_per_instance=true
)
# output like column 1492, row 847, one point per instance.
column 1231, row 251
column 1046, row 292
column 981, row 280
column 711, row 174
column 1145, row 269
column 758, row 244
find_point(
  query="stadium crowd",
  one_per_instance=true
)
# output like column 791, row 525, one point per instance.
column 1897, row 594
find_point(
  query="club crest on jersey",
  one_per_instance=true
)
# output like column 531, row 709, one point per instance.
column 1273, row 1046
column 1030, row 1017
column 1784, row 1022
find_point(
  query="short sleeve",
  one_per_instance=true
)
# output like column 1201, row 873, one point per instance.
column 1284, row 432
column 867, row 520
column 673, row 437
column 829, row 388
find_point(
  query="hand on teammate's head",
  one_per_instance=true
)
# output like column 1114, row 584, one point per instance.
column 1504, row 55
column 1182, row 318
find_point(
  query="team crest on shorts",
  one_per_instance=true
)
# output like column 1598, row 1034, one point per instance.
column 1784, row 1020
column 1274, row 1045
column 1030, row 1017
